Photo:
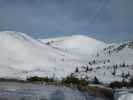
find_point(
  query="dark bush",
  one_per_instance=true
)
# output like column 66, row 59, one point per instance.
column 10, row 80
column 95, row 81
column 131, row 82
column 121, row 47
column 117, row 84
column 36, row 78
column 75, row 81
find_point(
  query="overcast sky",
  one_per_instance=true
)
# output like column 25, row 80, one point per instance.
column 102, row 19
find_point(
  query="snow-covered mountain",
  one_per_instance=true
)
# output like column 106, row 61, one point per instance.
column 113, row 63
column 79, row 45
column 22, row 56
column 104, row 61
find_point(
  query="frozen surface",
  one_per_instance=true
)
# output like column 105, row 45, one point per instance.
column 28, row 91
column 18, row 91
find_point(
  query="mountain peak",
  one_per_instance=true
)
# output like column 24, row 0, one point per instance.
column 11, row 33
column 75, row 38
column 76, row 44
column 80, row 36
column 85, row 38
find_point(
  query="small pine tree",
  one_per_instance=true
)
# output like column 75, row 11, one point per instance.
column 48, row 43
column 87, row 69
column 94, row 62
column 97, row 54
column 123, row 65
column 108, row 60
column 127, row 75
column 96, row 81
column 114, row 70
column 123, row 77
column 76, row 70
column 109, row 52
column 90, row 63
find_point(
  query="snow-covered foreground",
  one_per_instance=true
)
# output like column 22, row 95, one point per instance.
column 127, row 96
column 19, row 91
column 124, row 94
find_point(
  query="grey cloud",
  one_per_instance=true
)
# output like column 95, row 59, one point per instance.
column 103, row 19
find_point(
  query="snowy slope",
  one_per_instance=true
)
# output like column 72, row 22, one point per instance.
column 99, row 57
column 23, row 56
column 79, row 45
column 113, row 63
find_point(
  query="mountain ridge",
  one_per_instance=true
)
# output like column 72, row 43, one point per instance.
column 22, row 57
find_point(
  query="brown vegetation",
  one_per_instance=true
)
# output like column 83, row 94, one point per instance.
column 98, row 91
